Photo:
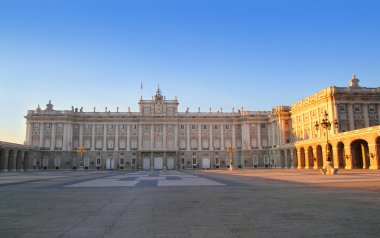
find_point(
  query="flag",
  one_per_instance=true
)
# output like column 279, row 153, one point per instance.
column 141, row 86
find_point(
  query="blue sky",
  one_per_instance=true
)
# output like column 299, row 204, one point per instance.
column 255, row 54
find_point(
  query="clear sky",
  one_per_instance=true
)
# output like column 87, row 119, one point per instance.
column 214, row 53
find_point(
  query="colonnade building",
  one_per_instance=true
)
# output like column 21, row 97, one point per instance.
column 158, row 136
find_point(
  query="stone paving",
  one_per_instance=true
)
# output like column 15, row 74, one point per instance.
column 159, row 179
column 209, row 203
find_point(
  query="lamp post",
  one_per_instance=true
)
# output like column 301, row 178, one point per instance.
column 326, row 125
column 81, row 150
column 231, row 151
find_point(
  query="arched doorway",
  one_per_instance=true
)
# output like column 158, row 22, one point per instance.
column 19, row 161
column 341, row 155
column 319, row 158
column 11, row 161
column 295, row 158
column 359, row 154
column 3, row 164
column 310, row 158
column 302, row 158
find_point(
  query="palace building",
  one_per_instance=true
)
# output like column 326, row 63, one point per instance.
column 340, row 124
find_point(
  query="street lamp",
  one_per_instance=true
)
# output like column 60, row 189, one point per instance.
column 81, row 150
column 326, row 124
column 231, row 151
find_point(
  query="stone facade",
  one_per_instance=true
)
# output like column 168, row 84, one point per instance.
column 161, row 137
column 156, row 137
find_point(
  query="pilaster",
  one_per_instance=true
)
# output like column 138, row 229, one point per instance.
column 104, row 137
column 42, row 127
column 116, row 137
column 53, row 132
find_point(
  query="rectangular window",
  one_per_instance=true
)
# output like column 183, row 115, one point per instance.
column 98, row 126
column 227, row 127
column 263, row 126
column 216, row 127
column 110, row 127
column 182, row 127
column 98, row 162
column 194, row 161
column 356, row 108
column 342, row 108
column 193, row 127
column 121, row 161
column 36, row 126
column 88, row 127
column 204, row 127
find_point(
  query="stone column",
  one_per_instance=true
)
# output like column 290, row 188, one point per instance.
column 199, row 137
column 221, row 137
column 365, row 115
column 176, row 136
column 373, row 156
column 93, row 137
column 233, row 136
column 117, row 137
column 128, row 137
column 188, row 137
column 152, row 136
column 303, row 126
column 286, row 159
column 335, row 156
column 80, row 135
column 351, row 120
column 29, row 133
column 70, row 136
column 140, row 145
column 299, row 164
column 211, row 141
column 308, row 158
column 41, row 143
column 65, row 136
column 335, row 117
column 378, row 113
column 291, row 159
column 5, row 159
column 105, row 137
column 348, row 156
column 164, row 146
column 53, row 132
column 259, row 136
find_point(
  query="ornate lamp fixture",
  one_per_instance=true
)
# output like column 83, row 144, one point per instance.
column 326, row 125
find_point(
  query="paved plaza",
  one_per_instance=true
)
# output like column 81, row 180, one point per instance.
column 207, row 203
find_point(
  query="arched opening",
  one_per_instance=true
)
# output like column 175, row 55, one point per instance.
column 295, row 159
column 341, row 155
column 310, row 157
column 27, row 162
column 19, row 161
column 302, row 158
column 3, row 165
column 359, row 154
column 282, row 159
column 11, row 160
column 319, row 157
